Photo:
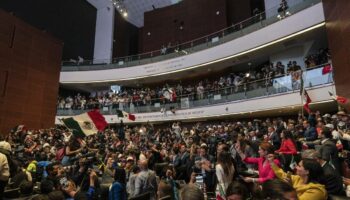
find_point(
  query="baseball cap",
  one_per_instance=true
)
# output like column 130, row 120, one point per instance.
column 46, row 145
column 341, row 113
column 129, row 158
column 341, row 124
column 330, row 126
column 326, row 115
column 5, row 146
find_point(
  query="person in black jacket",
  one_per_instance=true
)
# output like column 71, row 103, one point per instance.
column 328, row 149
column 330, row 178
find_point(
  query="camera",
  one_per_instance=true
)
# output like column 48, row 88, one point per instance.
column 96, row 170
column 64, row 182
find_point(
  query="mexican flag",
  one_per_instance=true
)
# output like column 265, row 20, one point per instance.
column 86, row 124
column 339, row 99
column 307, row 101
column 123, row 114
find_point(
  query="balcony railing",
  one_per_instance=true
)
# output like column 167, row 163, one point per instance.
column 230, row 33
column 287, row 83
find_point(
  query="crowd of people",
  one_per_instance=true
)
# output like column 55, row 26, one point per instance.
column 271, row 158
column 132, row 98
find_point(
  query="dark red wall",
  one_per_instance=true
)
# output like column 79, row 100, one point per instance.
column 238, row 10
column 197, row 17
column 30, row 62
column 338, row 31
column 125, row 37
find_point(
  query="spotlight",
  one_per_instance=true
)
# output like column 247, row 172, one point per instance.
column 125, row 14
column 247, row 75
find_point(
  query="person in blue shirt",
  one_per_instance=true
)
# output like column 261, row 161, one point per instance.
column 118, row 189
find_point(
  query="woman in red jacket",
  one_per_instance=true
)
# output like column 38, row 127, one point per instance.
column 288, row 150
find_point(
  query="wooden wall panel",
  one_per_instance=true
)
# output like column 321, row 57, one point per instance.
column 338, row 31
column 31, row 61
column 197, row 17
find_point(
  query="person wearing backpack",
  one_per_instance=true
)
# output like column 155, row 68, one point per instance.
column 146, row 180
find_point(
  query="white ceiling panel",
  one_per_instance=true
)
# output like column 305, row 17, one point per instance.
column 136, row 9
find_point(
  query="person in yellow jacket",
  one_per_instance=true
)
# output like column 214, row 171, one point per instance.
column 305, row 182
column 32, row 166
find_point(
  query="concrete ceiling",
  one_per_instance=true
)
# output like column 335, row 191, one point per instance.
column 135, row 8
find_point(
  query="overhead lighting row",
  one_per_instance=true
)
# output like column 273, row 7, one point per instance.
column 120, row 6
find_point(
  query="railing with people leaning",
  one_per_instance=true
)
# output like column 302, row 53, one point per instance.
column 287, row 83
column 254, row 23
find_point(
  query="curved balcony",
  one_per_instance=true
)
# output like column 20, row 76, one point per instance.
column 230, row 33
column 313, row 78
column 220, row 46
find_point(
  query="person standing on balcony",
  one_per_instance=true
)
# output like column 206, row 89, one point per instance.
column 200, row 91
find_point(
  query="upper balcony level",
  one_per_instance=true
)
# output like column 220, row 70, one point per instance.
column 251, row 35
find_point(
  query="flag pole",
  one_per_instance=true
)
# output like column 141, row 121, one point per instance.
column 301, row 102
column 302, row 93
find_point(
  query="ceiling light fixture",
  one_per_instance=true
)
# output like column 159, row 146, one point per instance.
column 120, row 6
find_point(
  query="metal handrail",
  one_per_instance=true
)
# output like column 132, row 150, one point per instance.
column 156, row 53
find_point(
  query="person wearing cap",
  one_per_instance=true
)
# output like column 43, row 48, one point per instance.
column 129, row 166
column 4, row 166
column 327, row 115
column 335, row 133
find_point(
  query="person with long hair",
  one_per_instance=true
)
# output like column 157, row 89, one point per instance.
column 288, row 149
column 307, row 178
column 277, row 189
column 236, row 191
column 264, row 168
column 72, row 149
column 224, row 172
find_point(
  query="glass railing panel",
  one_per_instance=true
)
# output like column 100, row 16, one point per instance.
column 316, row 76
column 235, row 31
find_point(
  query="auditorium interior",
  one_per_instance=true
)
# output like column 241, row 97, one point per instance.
column 175, row 99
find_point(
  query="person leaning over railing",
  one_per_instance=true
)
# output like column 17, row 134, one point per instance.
column 306, row 180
